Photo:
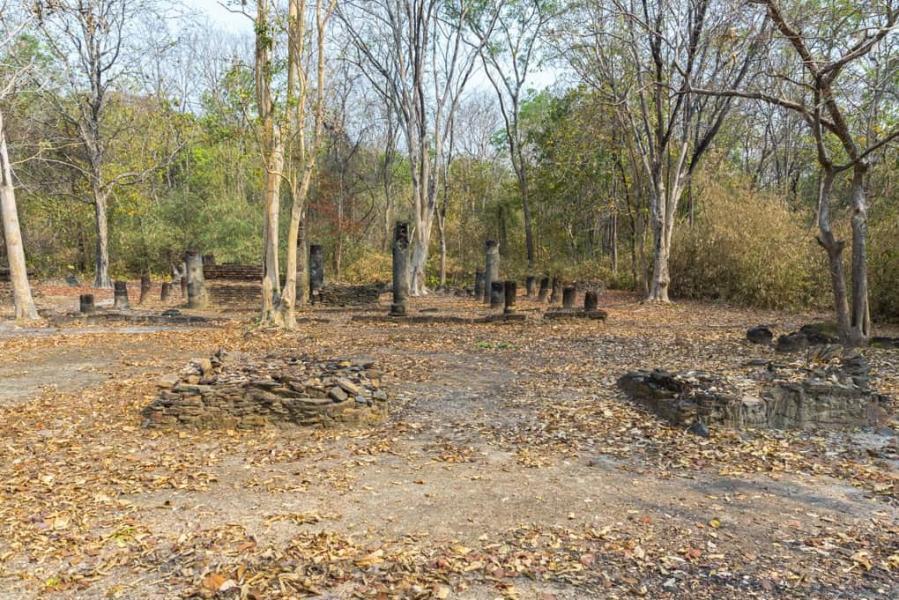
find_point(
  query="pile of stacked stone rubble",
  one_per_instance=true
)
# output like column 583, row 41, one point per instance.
column 234, row 390
column 808, row 336
column 826, row 387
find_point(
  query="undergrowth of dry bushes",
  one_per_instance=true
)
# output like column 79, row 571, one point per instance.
column 749, row 249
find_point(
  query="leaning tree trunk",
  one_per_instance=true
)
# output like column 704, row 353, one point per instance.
column 101, row 280
column 12, row 233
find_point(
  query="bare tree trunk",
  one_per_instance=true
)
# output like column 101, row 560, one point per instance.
column 614, row 242
column 303, row 157
column 419, row 262
column 853, row 320
column 635, row 267
column 289, row 296
column 101, row 264
column 441, row 211
column 270, row 269
column 12, row 233
column 441, row 229
column 834, row 249
column 302, row 283
column 272, row 161
column 338, row 243
column 526, row 211
column 388, row 214
column 861, row 311
column 661, row 239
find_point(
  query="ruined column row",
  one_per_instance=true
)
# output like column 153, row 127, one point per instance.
column 491, row 289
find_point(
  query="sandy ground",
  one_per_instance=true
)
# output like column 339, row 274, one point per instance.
column 510, row 466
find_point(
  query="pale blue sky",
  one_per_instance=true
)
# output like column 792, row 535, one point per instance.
column 238, row 23
column 221, row 16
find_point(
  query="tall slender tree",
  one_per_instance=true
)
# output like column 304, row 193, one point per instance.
column 95, row 48
column 305, row 102
column 508, row 52
column 645, row 57
column 414, row 54
column 25, row 309
column 272, row 145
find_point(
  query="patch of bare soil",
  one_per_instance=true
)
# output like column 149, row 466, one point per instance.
column 511, row 466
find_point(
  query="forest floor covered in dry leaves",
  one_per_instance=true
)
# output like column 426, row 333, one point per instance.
column 510, row 467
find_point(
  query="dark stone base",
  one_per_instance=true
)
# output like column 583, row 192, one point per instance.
column 884, row 342
column 410, row 319
column 503, row 318
column 168, row 317
column 814, row 334
column 760, row 335
column 575, row 313
column 834, row 397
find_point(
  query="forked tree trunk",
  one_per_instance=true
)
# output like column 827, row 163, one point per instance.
column 853, row 318
column 287, row 306
column 303, row 157
column 834, row 249
column 12, row 233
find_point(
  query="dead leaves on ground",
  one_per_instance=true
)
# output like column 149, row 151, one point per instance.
column 85, row 494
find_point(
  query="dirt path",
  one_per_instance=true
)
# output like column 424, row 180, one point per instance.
column 510, row 467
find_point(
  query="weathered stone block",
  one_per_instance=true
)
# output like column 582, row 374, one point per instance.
column 760, row 335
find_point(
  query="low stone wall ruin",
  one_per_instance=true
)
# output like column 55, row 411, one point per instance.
column 232, row 272
column 230, row 295
column 232, row 285
column 775, row 396
column 236, row 391
column 341, row 294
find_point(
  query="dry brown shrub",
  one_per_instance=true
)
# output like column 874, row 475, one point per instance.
column 749, row 248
